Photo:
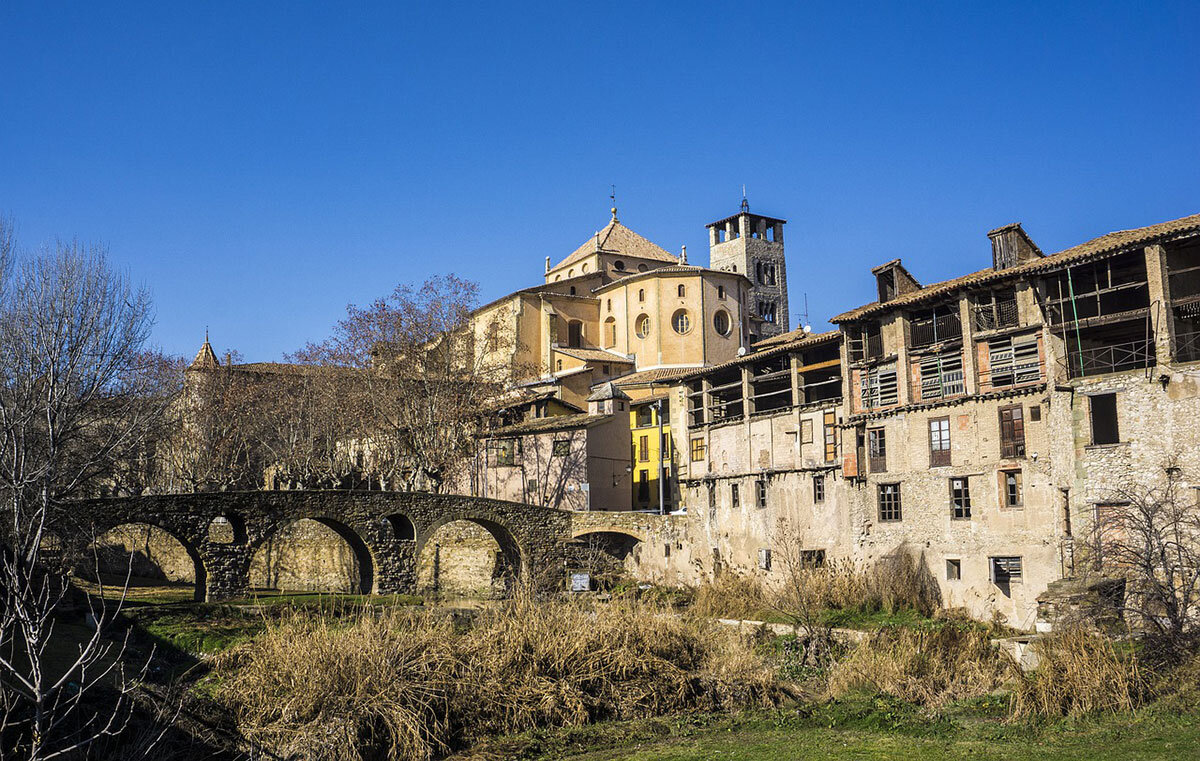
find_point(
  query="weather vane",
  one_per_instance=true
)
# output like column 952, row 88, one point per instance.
column 613, row 197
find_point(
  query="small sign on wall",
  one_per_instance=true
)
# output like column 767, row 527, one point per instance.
column 580, row 581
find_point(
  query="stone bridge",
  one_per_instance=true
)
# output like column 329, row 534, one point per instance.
column 385, row 530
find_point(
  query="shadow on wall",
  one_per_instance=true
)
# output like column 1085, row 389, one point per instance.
column 461, row 559
column 156, row 556
column 305, row 556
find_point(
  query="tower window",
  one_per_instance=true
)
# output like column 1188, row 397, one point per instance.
column 682, row 290
column 720, row 291
column 641, row 294
column 766, row 310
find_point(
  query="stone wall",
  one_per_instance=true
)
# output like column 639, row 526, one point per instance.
column 460, row 560
column 157, row 556
column 305, row 556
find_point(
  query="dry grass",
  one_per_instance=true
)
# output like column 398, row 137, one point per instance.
column 1079, row 672
column 402, row 685
column 896, row 582
column 928, row 667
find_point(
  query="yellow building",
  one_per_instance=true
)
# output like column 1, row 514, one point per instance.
column 652, row 454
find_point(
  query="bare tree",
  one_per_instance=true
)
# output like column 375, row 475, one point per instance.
column 1149, row 535
column 426, row 379
column 76, row 397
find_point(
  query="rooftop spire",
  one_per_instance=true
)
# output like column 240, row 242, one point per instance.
column 206, row 358
column 613, row 196
column 745, row 203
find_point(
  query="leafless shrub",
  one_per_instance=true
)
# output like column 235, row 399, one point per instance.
column 1149, row 535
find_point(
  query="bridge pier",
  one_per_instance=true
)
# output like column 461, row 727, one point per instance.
column 227, row 568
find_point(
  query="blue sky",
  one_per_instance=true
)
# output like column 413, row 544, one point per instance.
column 259, row 166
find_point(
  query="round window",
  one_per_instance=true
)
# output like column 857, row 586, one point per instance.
column 721, row 322
column 618, row 265
column 681, row 322
column 584, row 268
column 642, row 268
column 642, row 325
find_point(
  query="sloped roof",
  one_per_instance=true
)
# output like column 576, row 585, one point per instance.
column 547, row 424
column 595, row 355
column 779, row 344
column 1105, row 244
column 206, row 358
column 616, row 238
column 674, row 269
column 606, row 391
column 656, row 375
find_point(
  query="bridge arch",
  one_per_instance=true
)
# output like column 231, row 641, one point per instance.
column 364, row 557
column 511, row 562
column 199, row 570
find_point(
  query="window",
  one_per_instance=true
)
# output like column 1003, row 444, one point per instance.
column 720, row 291
column 1012, row 361
column 764, row 559
column 572, row 290
column 645, row 416
column 889, row 503
column 877, row 449
column 818, row 489
column 610, row 333
column 1006, row 571
column 531, row 491
column 697, row 449
column 1010, row 484
column 812, row 558
column 667, row 550
column 608, row 303
column 721, row 322
column 641, row 294
column 558, row 365
column 830, row 437
column 760, row 487
column 960, row 498
column 506, row 451
column 575, row 334
column 942, row 375
column 864, row 342
column 1035, row 413
column 735, row 498
column 665, row 447
column 953, row 569
column 562, row 447
column 643, row 448
column 939, row 442
column 766, row 310
column 642, row 326
column 643, row 495
column 681, row 322
column 1104, row 419
column 606, row 369
column 619, row 265
column 584, row 268
column 879, row 387
column 681, row 291
column 1012, row 432
column 642, row 268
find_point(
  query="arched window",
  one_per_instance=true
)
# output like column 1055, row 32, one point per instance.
column 571, row 273
column 642, row 325
column 721, row 322
column 681, row 322
column 610, row 333
column 641, row 294
column 583, row 269
column 557, row 278
column 682, row 290
column 558, row 365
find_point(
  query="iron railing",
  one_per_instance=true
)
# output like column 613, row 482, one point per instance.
column 1132, row 355
column 932, row 330
column 990, row 316
column 1187, row 347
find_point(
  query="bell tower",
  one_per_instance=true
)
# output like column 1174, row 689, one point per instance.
column 752, row 245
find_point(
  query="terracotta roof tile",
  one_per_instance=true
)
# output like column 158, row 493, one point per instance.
column 546, row 424
column 1104, row 244
column 594, row 355
column 616, row 238
column 655, row 375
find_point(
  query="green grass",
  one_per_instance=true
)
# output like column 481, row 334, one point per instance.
column 863, row 728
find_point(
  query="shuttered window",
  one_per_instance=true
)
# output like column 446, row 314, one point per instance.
column 942, row 375
column 1013, row 361
column 1012, row 432
column 939, row 442
column 879, row 387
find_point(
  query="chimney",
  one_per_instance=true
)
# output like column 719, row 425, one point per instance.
column 683, row 256
column 1012, row 246
column 229, row 359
